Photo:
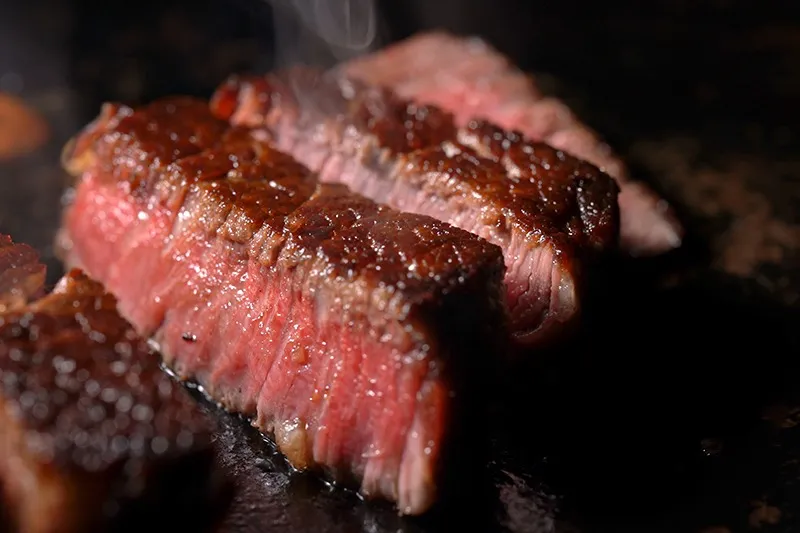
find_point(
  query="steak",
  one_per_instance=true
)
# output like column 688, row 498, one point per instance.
column 346, row 330
column 470, row 79
column 551, row 213
column 21, row 274
column 94, row 434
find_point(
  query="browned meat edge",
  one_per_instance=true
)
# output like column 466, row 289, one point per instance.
column 466, row 76
column 94, row 434
column 552, row 214
column 21, row 274
column 213, row 241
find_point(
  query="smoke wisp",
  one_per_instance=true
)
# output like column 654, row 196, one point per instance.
column 323, row 32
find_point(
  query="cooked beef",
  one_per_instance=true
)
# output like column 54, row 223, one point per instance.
column 93, row 432
column 345, row 329
column 21, row 274
column 550, row 213
column 470, row 79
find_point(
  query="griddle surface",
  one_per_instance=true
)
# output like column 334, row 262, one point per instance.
column 678, row 407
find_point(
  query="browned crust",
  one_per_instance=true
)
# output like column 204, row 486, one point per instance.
column 22, row 276
column 85, row 409
column 422, row 65
column 231, row 185
column 51, row 349
column 408, row 280
column 538, row 190
column 568, row 198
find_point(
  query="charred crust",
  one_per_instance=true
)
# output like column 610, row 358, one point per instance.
column 86, row 389
column 531, row 185
column 95, row 434
column 22, row 276
column 229, row 184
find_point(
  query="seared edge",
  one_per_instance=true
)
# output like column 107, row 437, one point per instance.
column 529, row 198
column 502, row 170
column 471, row 79
column 399, row 273
column 21, row 274
column 174, row 152
column 87, row 411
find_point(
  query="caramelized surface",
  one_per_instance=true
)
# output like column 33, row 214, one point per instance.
column 469, row 78
column 87, row 391
column 93, row 431
column 237, row 187
column 544, row 192
column 548, row 183
column 343, row 327
column 21, row 274
column 551, row 213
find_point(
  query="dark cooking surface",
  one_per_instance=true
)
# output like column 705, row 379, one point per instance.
column 682, row 412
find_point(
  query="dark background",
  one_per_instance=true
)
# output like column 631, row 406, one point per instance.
column 676, row 409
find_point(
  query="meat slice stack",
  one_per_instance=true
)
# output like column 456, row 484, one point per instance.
column 552, row 214
column 92, row 432
column 340, row 255
column 470, row 79
column 349, row 331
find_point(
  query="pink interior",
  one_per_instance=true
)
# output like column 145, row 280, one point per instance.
column 258, row 343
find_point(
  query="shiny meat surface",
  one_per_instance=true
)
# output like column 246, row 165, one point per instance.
column 550, row 212
column 343, row 328
column 89, row 419
column 21, row 274
column 242, row 189
column 470, row 79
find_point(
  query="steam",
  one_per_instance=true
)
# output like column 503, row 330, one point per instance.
column 323, row 32
column 346, row 25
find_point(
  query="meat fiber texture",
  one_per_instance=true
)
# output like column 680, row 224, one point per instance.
column 345, row 329
column 467, row 77
column 552, row 214
column 90, row 426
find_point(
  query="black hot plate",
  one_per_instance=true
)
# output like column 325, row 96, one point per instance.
column 677, row 409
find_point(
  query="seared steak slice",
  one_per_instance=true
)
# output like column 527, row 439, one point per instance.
column 473, row 81
column 93, row 431
column 344, row 328
column 21, row 274
column 548, row 211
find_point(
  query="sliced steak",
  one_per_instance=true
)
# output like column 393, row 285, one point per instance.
column 550, row 213
column 473, row 81
column 21, row 274
column 94, row 434
column 345, row 329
